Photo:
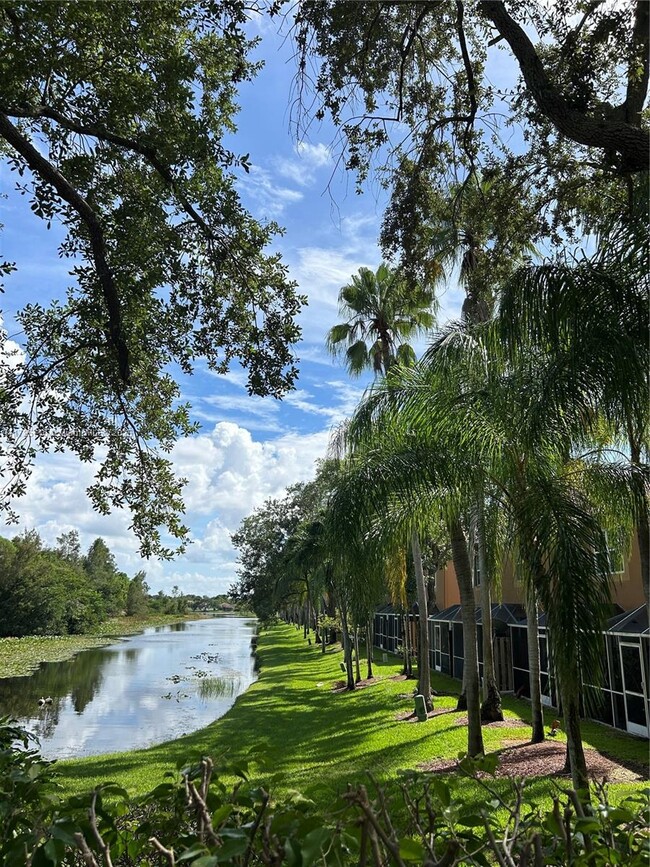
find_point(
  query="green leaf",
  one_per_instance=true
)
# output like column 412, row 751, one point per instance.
column 442, row 792
column 192, row 852
column 221, row 814
column 411, row 850
column 313, row 844
column 470, row 820
column 232, row 848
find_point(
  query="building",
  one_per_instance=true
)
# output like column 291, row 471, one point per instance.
column 622, row 700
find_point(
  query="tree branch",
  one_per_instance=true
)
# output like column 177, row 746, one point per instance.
column 637, row 84
column 99, row 132
column 47, row 172
column 471, row 81
column 626, row 139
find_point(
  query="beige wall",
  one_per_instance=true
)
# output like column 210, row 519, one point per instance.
column 627, row 589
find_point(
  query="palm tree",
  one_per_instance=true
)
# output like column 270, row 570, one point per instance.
column 462, row 236
column 392, row 483
column 383, row 310
column 588, row 321
column 430, row 430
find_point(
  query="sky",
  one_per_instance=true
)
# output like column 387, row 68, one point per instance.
column 248, row 449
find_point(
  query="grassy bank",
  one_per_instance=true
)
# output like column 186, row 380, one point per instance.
column 20, row 656
column 299, row 734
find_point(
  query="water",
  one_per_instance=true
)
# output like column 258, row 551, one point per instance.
column 143, row 690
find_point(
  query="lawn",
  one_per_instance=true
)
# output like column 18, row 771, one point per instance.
column 297, row 734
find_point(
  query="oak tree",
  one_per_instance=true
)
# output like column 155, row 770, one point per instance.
column 113, row 120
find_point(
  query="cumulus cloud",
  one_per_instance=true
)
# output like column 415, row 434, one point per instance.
column 229, row 473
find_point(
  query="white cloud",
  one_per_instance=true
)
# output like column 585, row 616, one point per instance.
column 229, row 474
column 271, row 198
column 304, row 169
column 317, row 155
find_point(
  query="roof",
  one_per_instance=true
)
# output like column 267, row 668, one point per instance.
column 504, row 612
column 507, row 612
column 386, row 609
column 633, row 622
column 451, row 614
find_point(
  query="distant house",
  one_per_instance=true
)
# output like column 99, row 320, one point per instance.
column 226, row 606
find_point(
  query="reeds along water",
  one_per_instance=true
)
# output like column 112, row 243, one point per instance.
column 218, row 687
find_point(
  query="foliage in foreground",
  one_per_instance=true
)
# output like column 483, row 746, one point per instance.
column 194, row 817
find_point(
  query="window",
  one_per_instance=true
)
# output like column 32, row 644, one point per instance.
column 615, row 557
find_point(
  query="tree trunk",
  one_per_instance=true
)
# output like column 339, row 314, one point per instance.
column 533, row 667
column 609, row 133
column 571, row 707
column 424, row 669
column 406, row 646
column 470, row 667
column 347, row 646
column 491, row 710
column 369, row 647
column 356, row 655
column 461, row 704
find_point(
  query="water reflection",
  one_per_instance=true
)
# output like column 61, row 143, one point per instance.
column 143, row 690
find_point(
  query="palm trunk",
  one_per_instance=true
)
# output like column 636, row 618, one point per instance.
column 470, row 666
column 356, row 655
column 533, row 666
column 643, row 536
column 643, row 524
column 491, row 710
column 347, row 646
column 424, row 669
column 407, row 669
column 369, row 646
column 577, row 761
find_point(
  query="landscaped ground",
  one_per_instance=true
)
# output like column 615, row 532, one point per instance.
column 299, row 734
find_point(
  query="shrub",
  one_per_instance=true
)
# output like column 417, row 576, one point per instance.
column 193, row 817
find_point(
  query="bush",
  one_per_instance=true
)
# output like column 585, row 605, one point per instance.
column 195, row 818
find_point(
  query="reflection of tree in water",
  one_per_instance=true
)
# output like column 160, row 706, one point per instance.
column 79, row 677
column 181, row 626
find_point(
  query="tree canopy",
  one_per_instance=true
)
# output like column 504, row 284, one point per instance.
column 410, row 88
column 113, row 118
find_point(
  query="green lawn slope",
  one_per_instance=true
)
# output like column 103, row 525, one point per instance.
column 298, row 734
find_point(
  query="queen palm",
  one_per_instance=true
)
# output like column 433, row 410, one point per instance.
column 383, row 311
column 482, row 237
column 589, row 323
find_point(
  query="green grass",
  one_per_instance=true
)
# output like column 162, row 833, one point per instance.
column 300, row 735
column 20, row 656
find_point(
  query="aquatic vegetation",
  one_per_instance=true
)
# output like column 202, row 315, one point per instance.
column 218, row 687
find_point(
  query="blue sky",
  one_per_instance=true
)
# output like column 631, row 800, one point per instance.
column 248, row 449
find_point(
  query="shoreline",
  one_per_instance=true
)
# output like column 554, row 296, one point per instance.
column 20, row 657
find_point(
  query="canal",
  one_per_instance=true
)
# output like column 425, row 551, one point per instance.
column 140, row 691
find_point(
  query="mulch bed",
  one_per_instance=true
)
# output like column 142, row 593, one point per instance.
column 499, row 724
column 341, row 685
column 547, row 760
